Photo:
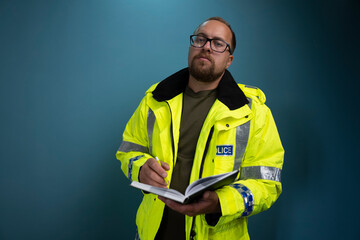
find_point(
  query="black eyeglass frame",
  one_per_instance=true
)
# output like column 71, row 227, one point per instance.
column 209, row 40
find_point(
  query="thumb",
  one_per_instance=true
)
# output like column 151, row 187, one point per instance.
column 207, row 195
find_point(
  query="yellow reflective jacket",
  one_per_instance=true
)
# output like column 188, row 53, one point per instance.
column 238, row 133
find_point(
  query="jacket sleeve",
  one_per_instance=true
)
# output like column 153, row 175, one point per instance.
column 133, row 151
column 259, row 185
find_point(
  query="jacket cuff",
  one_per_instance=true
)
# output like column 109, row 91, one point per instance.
column 134, row 167
column 230, row 200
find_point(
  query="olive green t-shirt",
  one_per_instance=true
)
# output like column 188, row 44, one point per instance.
column 195, row 109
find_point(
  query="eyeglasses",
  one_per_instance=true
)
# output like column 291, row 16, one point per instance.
column 216, row 45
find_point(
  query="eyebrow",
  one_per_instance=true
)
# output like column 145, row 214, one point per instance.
column 205, row 35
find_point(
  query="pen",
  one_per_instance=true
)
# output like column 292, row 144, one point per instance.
column 157, row 159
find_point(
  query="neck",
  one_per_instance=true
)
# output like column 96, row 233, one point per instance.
column 198, row 86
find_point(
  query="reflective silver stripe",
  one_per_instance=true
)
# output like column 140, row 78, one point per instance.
column 130, row 147
column 248, row 86
column 242, row 137
column 150, row 127
column 250, row 102
column 247, row 196
column 261, row 172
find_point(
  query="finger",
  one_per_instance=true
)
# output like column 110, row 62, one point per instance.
column 165, row 166
column 156, row 182
column 188, row 209
column 155, row 179
column 156, row 167
column 207, row 195
column 149, row 176
column 210, row 196
column 208, row 204
column 211, row 199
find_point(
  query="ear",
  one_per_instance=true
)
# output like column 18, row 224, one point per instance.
column 230, row 59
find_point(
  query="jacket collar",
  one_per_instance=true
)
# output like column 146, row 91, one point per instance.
column 229, row 92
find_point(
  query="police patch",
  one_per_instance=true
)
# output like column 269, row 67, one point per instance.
column 224, row 150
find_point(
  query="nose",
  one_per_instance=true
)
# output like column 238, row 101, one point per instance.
column 207, row 46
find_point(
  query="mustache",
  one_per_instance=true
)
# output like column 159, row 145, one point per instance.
column 204, row 55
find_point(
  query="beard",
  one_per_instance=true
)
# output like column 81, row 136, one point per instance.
column 204, row 71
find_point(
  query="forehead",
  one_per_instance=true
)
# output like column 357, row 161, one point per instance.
column 215, row 29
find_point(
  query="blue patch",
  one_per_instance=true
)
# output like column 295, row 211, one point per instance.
column 224, row 150
column 130, row 166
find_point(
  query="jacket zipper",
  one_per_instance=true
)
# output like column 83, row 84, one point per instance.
column 192, row 231
column 172, row 133
column 205, row 151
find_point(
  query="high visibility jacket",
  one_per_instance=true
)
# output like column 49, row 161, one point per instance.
column 239, row 133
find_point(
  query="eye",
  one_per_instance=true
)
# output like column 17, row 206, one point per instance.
column 200, row 40
column 219, row 43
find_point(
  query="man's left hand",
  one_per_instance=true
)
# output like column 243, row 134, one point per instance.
column 209, row 203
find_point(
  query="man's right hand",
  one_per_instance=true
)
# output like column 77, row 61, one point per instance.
column 153, row 174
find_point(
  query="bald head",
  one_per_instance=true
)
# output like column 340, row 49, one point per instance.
column 233, row 38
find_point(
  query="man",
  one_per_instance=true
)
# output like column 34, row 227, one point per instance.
column 199, row 122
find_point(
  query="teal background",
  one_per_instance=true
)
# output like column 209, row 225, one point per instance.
column 73, row 72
